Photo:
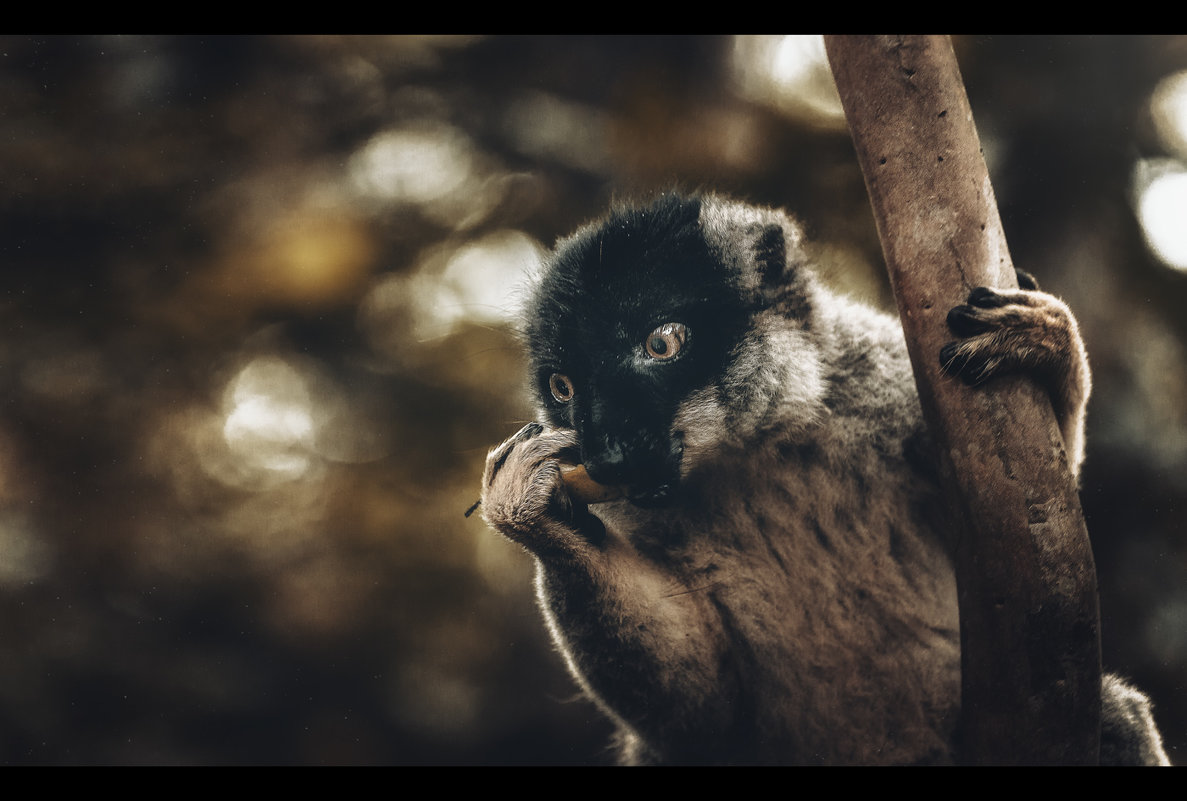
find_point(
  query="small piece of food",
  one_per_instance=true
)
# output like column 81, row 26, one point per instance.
column 585, row 489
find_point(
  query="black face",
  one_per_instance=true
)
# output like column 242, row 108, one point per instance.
column 630, row 319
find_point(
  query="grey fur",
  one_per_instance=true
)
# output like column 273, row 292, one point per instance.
column 798, row 604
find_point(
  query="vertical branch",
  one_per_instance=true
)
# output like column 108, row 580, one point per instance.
column 1028, row 606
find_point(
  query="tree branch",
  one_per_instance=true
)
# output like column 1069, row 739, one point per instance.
column 1028, row 605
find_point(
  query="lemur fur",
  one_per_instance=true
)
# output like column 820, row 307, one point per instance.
column 776, row 585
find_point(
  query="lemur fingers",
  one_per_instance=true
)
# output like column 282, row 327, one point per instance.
column 1023, row 331
column 523, row 496
column 1004, row 331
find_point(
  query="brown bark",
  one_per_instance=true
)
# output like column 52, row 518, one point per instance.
column 1027, row 581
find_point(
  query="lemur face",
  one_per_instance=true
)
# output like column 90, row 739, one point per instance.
column 628, row 321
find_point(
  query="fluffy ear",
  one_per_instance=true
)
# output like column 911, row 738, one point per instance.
column 761, row 245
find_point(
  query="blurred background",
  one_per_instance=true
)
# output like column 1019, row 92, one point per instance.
column 256, row 309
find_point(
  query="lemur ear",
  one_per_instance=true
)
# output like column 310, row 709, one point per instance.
column 770, row 253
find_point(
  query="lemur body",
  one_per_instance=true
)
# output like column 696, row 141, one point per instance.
column 776, row 584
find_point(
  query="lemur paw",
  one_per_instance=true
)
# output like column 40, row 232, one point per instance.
column 524, row 498
column 1009, row 331
column 1030, row 332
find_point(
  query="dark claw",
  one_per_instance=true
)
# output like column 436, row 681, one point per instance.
column 523, row 435
column 965, row 321
column 1025, row 279
column 951, row 363
column 987, row 298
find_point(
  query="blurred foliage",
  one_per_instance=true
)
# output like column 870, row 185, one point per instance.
column 255, row 339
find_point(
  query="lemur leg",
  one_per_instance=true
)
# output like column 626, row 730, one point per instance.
column 1024, row 331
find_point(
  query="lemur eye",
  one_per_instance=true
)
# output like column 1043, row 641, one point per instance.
column 666, row 341
column 561, row 386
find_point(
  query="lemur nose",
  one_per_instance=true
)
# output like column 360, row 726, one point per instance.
column 607, row 462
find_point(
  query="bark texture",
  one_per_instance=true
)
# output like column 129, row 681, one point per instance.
column 1027, row 581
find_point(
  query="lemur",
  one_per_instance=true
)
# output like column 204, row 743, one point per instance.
column 770, row 578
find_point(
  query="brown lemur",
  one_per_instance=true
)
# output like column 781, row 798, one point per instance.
column 775, row 583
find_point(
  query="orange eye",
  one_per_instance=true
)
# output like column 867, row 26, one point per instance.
column 666, row 341
column 561, row 387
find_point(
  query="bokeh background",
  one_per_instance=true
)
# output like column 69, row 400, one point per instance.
column 256, row 307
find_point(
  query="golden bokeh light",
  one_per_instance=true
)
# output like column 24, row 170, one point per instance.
column 1161, row 189
column 790, row 73
column 476, row 281
column 1168, row 109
